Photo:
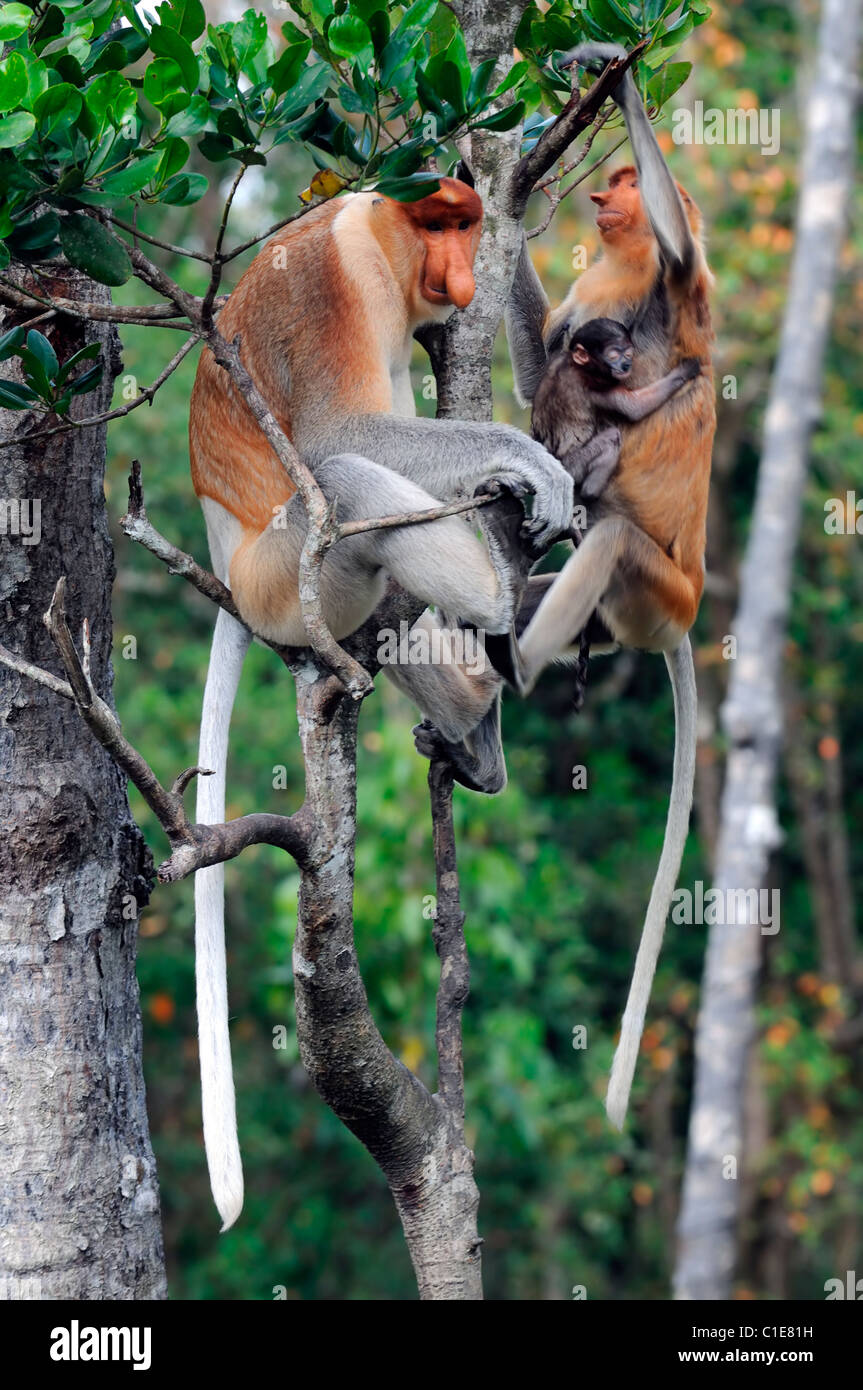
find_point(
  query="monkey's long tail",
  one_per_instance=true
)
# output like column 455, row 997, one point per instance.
column 682, row 674
column 230, row 644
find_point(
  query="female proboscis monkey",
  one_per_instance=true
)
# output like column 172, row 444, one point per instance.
column 325, row 317
column 640, row 567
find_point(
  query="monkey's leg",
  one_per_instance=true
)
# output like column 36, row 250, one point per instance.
column 459, row 699
column 652, row 604
column 443, row 562
column 593, row 464
column 477, row 762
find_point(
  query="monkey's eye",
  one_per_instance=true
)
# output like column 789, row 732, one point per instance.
column 464, row 225
column 434, row 227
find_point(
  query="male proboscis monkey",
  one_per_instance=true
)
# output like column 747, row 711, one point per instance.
column 325, row 316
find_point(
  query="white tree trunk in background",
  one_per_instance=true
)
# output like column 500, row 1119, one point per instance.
column 752, row 714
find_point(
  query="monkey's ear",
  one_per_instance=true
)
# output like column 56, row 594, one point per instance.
column 580, row 354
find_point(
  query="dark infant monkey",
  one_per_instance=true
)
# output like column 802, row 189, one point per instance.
column 583, row 391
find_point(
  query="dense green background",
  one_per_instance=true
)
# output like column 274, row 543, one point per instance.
column 554, row 881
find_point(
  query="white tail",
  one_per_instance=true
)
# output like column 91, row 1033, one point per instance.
column 682, row 674
column 230, row 644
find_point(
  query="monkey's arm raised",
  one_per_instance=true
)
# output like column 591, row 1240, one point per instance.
column 526, row 317
column 636, row 405
column 662, row 202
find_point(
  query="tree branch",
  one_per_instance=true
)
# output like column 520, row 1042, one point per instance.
column 578, row 113
column 193, row 846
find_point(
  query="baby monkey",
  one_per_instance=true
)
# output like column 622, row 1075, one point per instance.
column 582, row 391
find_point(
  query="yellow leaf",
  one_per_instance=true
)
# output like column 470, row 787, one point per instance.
column 326, row 184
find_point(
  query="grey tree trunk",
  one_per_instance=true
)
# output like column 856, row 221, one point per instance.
column 753, row 709
column 78, row 1191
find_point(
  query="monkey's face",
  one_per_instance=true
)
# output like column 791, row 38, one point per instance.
column 448, row 224
column 621, row 212
column 603, row 363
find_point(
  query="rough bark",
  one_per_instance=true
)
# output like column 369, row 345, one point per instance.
column 416, row 1138
column 752, row 714
column 78, row 1190
column 463, row 362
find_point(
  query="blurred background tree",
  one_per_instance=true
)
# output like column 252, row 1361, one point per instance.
column 554, row 879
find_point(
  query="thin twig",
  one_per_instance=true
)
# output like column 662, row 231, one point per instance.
column 154, row 240
column 157, row 315
column 577, row 114
column 555, row 199
column 277, row 226
column 146, row 395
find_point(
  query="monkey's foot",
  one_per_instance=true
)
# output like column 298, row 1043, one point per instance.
column 479, row 774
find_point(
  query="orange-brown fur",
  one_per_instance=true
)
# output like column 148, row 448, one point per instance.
column 663, row 477
column 318, row 314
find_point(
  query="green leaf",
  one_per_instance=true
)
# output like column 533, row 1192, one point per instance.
column 14, row 20
column 284, row 73
column 417, row 16
column 87, row 380
column 5, row 257
column 515, row 75
column 34, row 236
column 349, row 36
column 84, row 354
column 186, row 16
column 15, row 129
column 184, row 189
column 10, row 343
column 134, row 177
column 313, row 83
column 92, row 248
column 112, row 98
column 611, row 16
column 192, row 119
column 37, row 79
column 16, row 397
column 231, row 123
column 13, row 82
column 57, row 108
column 409, row 190
column 167, row 43
column 120, row 51
column 249, row 36
column 162, row 86
column 429, row 98
column 174, row 153
column 665, row 83
column 506, row 119
column 42, row 350
column 479, row 81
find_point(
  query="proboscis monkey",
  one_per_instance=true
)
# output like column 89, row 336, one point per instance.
column 325, row 316
column 640, row 567
column 585, row 390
